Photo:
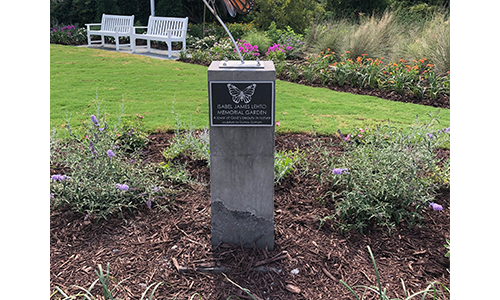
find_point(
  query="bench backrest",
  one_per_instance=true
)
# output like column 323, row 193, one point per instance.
column 120, row 23
column 161, row 26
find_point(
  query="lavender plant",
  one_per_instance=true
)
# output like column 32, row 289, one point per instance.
column 101, row 176
column 387, row 176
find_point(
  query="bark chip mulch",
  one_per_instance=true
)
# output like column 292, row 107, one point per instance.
column 173, row 246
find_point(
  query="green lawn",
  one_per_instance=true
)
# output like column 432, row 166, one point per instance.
column 133, row 84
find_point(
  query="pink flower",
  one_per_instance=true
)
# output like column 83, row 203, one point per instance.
column 347, row 137
column 278, row 123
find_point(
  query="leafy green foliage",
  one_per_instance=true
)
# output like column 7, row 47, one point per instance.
column 387, row 176
column 285, row 163
column 296, row 14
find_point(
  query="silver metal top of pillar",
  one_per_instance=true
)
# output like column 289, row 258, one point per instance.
column 238, row 64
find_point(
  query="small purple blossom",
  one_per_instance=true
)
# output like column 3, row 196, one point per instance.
column 122, row 187
column 110, row 153
column 430, row 136
column 59, row 177
column 446, row 130
column 94, row 120
column 436, row 206
column 338, row 171
column 148, row 203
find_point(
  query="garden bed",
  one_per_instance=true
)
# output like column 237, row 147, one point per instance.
column 442, row 101
column 174, row 246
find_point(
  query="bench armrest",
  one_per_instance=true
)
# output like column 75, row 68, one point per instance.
column 138, row 27
column 93, row 24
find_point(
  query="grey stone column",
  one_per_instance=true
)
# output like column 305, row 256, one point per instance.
column 242, row 167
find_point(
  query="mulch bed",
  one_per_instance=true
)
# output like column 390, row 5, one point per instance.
column 174, row 246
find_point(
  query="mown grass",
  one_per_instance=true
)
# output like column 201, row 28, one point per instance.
column 81, row 78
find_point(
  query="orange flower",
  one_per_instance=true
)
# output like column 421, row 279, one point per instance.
column 358, row 59
column 348, row 51
column 364, row 54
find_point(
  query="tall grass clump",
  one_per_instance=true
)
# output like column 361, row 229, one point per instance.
column 327, row 35
column 374, row 36
column 103, row 173
column 386, row 175
column 432, row 42
column 397, row 34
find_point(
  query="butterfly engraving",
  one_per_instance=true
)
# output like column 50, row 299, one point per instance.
column 239, row 95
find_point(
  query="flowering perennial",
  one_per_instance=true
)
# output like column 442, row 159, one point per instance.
column 110, row 153
column 59, row 177
column 338, row 171
column 122, row 187
column 436, row 206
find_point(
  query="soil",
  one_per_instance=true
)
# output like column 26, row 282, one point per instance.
column 173, row 245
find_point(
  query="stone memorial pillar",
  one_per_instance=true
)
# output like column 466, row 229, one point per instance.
column 241, row 106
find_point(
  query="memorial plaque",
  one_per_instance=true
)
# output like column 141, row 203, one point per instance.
column 241, row 103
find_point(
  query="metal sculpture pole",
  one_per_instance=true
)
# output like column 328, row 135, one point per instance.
column 227, row 30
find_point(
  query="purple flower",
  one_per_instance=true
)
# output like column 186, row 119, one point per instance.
column 110, row 153
column 122, row 187
column 446, row 130
column 430, row 136
column 94, row 120
column 92, row 148
column 337, row 171
column 148, row 203
column 436, row 206
column 59, row 177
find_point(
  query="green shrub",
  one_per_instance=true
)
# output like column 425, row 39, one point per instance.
column 102, row 178
column 386, row 175
column 260, row 39
column 296, row 14
column 287, row 39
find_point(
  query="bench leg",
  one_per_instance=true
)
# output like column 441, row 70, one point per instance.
column 169, row 45
column 117, row 42
column 149, row 45
column 88, row 38
column 102, row 40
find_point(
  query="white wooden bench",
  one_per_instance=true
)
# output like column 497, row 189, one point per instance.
column 111, row 25
column 162, row 29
